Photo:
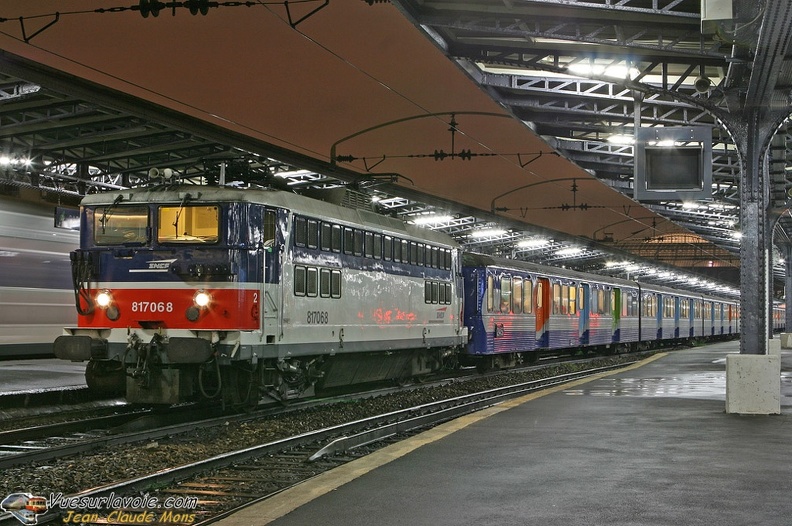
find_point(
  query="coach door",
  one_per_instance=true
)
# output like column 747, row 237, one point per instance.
column 584, row 310
column 542, row 310
column 271, row 275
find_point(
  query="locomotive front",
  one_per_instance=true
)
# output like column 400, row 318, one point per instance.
column 165, row 281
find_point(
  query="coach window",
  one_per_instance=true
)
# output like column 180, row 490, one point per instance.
column 447, row 259
column 299, row 280
column 434, row 257
column 490, row 293
column 572, row 305
column 427, row 291
column 442, row 297
column 556, row 298
column 405, row 251
column 387, row 248
column 517, row 288
column 527, row 295
column 506, row 294
column 435, row 291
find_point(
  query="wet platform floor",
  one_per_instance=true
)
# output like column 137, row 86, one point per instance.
column 648, row 446
column 33, row 375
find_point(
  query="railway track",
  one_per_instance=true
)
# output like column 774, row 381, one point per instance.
column 215, row 487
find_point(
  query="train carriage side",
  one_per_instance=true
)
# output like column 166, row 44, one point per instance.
column 503, row 311
column 365, row 284
column 628, row 332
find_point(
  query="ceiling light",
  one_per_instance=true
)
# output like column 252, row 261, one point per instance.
column 430, row 220
column 488, row 232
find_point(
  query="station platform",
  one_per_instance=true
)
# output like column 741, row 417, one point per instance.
column 35, row 375
column 651, row 445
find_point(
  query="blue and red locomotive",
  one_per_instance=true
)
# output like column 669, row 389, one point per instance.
column 189, row 292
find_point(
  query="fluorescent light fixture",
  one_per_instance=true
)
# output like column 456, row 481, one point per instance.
column 535, row 242
column 621, row 139
column 488, row 232
column 430, row 220
column 570, row 251
column 586, row 70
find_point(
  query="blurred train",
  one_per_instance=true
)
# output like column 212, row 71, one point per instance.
column 188, row 292
column 36, row 301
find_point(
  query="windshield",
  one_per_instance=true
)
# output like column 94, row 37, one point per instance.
column 117, row 225
column 188, row 224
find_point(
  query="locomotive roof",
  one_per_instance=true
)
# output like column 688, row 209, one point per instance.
column 278, row 198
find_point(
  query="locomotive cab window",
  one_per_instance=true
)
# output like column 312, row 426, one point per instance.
column 188, row 224
column 117, row 225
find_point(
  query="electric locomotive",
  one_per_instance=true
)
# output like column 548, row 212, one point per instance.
column 190, row 292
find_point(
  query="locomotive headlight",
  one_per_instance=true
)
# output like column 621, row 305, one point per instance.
column 103, row 299
column 201, row 298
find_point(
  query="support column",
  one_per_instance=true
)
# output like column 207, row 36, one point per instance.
column 753, row 378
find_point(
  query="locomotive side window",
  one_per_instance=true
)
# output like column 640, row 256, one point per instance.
column 312, row 282
column 188, row 224
column 299, row 280
column 326, row 242
column 397, row 250
column 336, row 238
column 358, row 242
column 118, row 225
column 300, row 231
column 324, row 282
column 349, row 240
column 313, row 233
column 369, row 244
column 377, row 246
column 335, row 283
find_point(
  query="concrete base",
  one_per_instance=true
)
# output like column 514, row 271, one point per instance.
column 786, row 340
column 774, row 346
column 753, row 384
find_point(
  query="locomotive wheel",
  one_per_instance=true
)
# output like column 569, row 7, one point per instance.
column 105, row 378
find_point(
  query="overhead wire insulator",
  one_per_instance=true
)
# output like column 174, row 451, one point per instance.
column 150, row 7
column 197, row 6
